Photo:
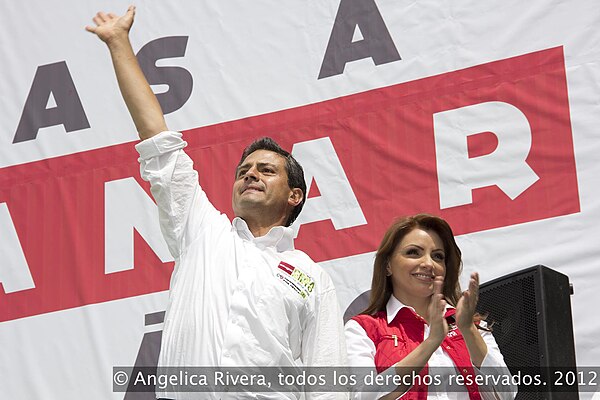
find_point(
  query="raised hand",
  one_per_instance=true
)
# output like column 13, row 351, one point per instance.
column 110, row 27
column 465, row 309
column 437, row 307
column 141, row 101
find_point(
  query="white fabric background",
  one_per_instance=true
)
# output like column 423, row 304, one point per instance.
column 234, row 53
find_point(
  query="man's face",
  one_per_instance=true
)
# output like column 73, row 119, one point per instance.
column 261, row 186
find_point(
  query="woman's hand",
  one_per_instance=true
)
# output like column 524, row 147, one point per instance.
column 436, row 310
column 414, row 362
column 465, row 309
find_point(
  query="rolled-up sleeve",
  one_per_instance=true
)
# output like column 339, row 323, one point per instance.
column 175, row 187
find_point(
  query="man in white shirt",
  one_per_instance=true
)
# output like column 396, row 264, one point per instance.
column 240, row 294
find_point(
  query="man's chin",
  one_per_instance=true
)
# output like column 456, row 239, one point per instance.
column 247, row 206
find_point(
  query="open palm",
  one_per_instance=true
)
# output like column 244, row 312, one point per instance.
column 465, row 309
column 110, row 26
column 437, row 307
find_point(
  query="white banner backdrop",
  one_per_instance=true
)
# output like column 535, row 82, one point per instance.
column 74, row 304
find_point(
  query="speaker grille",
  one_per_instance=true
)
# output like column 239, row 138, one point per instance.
column 528, row 340
column 511, row 308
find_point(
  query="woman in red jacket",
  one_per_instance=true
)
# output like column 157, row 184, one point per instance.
column 420, row 332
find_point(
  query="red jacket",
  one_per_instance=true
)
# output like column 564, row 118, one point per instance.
column 403, row 334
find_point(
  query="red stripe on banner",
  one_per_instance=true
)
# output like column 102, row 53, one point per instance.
column 384, row 140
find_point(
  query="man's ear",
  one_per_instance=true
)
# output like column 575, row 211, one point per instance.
column 295, row 197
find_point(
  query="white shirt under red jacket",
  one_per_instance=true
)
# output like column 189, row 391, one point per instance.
column 235, row 300
column 445, row 380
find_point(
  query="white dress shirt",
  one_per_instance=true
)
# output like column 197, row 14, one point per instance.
column 361, row 353
column 230, row 302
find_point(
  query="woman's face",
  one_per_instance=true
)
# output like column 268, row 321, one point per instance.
column 416, row 261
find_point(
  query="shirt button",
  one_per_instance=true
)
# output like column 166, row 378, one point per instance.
column 465, row 370
column 448, row 347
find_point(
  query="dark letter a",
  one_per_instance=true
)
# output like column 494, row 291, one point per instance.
column 377, row 42
column 52, row 79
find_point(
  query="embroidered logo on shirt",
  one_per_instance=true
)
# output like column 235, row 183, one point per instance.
column 452, row 327
column 296, row 279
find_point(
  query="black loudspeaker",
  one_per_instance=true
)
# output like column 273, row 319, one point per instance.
column 530, row 312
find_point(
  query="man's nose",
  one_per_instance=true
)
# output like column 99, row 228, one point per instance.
column 251, row 174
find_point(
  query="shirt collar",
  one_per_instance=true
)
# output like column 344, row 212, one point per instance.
column 394, row 306
column 279, row 237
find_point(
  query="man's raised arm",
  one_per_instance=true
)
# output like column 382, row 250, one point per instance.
column 140, row 100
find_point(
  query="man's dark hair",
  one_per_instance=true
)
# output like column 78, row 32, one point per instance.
column 294, row 170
